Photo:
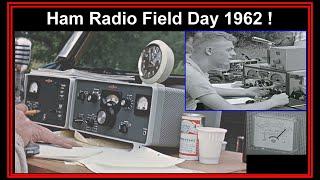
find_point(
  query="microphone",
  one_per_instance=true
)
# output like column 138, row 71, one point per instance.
column 22, row 55
column 261, row 40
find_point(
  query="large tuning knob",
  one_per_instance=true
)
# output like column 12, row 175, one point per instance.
column 101, row 117
column 107, row 117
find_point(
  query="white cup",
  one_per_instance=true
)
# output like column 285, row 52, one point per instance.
column 224, row 145
column 210, row 144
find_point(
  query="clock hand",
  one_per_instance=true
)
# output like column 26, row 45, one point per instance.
column 281, row 133
column 151, row 62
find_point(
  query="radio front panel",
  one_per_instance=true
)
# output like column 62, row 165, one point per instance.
column 112, row 110
column 49, row 95
column 288, row 58
column 256, row 76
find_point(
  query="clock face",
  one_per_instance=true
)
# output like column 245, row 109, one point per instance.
column 151, row 60
column 273, row 133
column 155, row 62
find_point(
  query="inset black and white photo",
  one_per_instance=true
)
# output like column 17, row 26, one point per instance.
column 246, row 70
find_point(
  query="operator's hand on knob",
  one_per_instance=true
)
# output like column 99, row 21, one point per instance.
column 280, row 99
column 32, row 132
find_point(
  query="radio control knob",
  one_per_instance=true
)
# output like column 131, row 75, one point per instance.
column 81, row 96
column 101, row 117
column 89, row 121
column 111, row 117
column 123, row 128
column 93, row 97
column 126, row 103
column 106, row 118
column 276, row 61
column 79, row 119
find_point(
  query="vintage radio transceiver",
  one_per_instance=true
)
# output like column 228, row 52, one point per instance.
column 276, row 133
column 288, row 58
column 149, row 114
column 293, row 83
column 110, row 105
column 256, row 75
column 51, row 94
column 297, row 85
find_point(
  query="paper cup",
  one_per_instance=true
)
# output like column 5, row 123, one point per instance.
column 210, row 144
column 224, row 145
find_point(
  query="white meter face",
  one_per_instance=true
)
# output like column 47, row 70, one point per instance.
column 142, row 103
column 273, row 133
column 33, row 87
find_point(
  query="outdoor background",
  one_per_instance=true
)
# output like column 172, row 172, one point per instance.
column 118, row 50
column 121, row 50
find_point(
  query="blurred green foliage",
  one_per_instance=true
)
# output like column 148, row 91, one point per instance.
column 119, row 50
column 245, row 45
column 252, row 49
column 45, row 45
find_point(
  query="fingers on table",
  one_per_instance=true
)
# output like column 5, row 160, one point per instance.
column 49, row 137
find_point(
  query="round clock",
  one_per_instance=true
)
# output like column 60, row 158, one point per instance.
column 156, row 62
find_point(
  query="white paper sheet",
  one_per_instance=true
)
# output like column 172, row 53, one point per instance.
column 234, row 85
column 113, row 159
column 110, row 169
column 241, row 100
column 74, row 154
column 142, row 157
column 92, row 142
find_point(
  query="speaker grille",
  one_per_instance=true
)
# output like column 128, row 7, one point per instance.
column 171, row 117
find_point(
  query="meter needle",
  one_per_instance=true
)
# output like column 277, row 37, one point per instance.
column 278, row 135
column 281, row 133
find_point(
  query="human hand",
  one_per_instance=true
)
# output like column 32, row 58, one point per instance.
column 280, row 99
column 32, row 132
column 256, row 91
column 22, row 107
